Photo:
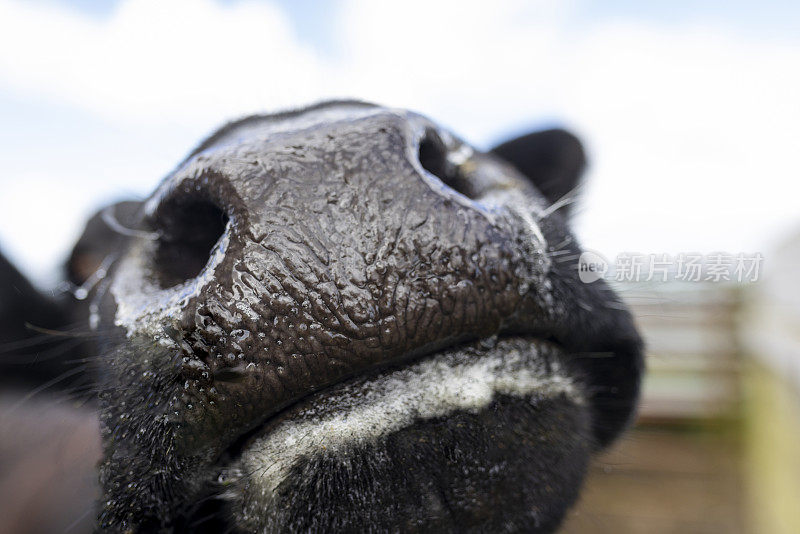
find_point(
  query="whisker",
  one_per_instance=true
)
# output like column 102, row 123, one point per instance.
column 60, row 333
column 63, row 346
column 110, row 218
column 49, row 383
column 566, row 199
column 78, row 520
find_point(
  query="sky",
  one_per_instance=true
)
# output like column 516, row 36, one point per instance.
column 689, row 110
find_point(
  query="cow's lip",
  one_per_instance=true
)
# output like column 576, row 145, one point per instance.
column 228, row 475
column 234, row 451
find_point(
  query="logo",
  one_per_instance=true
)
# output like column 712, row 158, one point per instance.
column 591, row 267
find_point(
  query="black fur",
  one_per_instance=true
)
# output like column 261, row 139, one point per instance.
column 32, row 353
column 449, row 474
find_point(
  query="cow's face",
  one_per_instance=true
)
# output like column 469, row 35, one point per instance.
column 345, row 318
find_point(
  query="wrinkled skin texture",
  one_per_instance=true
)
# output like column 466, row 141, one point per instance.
column 356, row 268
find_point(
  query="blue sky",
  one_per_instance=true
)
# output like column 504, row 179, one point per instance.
column 767, row 19
column 689, row 109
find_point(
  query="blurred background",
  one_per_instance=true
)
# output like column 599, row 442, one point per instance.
column 689, row 111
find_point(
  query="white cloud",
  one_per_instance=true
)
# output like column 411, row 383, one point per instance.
column 692, row 130
column 154, row 60
column 696, row 131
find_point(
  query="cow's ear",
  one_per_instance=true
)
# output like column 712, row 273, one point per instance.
column 31, row 357
column 103, row 236
column 22, row 304
column 554, row 160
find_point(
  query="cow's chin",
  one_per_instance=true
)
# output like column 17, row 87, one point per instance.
column 493, row 436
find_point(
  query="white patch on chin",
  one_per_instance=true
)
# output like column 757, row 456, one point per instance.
column 362, row 411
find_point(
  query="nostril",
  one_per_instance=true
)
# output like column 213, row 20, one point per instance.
column 433, row 155
column 188, row 228
column 433, row 158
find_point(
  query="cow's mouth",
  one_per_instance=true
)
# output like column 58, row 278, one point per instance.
column 507, row 364
column 255, row 472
